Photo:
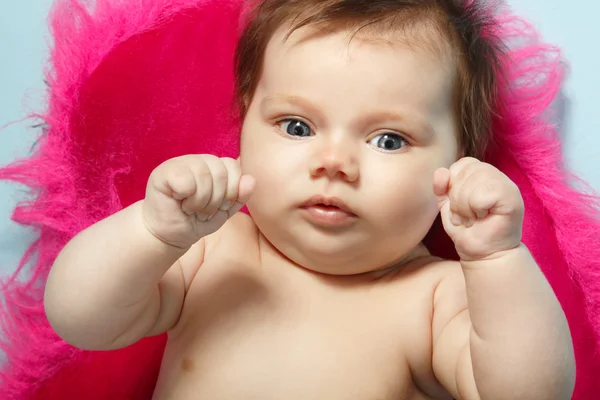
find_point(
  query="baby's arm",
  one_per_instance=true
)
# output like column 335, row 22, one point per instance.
column 512, row 342
column 113, row 283
column 498, row 330
column 125, row 278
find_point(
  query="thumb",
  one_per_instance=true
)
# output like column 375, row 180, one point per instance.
column 441, row 183
column 245, row 190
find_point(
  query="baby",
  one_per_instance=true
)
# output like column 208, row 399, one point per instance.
column 362, row 121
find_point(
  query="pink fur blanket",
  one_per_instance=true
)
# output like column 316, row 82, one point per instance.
column 132, row 83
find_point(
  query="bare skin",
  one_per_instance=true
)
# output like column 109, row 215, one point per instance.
column 310, row 300
column 257, row 326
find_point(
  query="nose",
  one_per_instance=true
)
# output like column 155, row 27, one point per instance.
column 335, row 160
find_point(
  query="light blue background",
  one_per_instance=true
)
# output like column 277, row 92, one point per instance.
column 23, row 42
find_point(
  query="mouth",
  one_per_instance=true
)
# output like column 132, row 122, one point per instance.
column 328, row 211
column 328, row 204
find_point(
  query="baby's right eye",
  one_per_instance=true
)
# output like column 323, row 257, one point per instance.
column 295, row 127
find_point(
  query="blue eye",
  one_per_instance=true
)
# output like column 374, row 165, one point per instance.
column 388, row 142
column 296, row 128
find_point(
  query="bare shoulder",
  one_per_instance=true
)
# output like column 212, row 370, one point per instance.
column 422, row 280
column 433, row 280
column 435, row 274
column 450, row 287
column 239, row 234
column 427, row 271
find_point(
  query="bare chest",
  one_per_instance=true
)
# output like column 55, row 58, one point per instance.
column 262, row 331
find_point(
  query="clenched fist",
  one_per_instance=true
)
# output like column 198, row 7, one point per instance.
column 192, row 196
column 481, row 208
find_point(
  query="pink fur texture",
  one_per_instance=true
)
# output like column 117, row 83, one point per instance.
column 132, row 83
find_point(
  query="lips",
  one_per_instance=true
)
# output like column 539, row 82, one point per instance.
column 328, row 212
column 328, row 204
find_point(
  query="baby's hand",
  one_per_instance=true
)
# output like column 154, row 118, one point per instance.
column 192, row 196
column 481, row 208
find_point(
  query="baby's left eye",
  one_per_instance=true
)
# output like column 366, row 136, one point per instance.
column 388, row 142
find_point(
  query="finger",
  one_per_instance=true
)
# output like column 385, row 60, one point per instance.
column 245, row 190
column 484, row 199
column 455, row 218
column 446, row 217
column 464, row 163
column 219, row 181
column 458, row 204
column 466, row 210
column 476, row 184
column 173, row 179
column 197, row 201
column 179, row 182
column 461, row 182
column 441, row 180
column 234, row 174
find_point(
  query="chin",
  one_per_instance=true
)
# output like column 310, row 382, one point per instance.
column 331, row 261
column 334, row 270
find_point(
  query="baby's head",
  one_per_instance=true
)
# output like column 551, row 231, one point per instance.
column 359, row 101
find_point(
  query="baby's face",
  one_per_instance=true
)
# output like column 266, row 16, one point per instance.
column 367, row 123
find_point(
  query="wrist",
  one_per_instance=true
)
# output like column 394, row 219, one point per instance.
column 154, row 239
column 507, row 251
column 500, row 256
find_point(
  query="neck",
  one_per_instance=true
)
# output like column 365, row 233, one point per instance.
column 271, row 255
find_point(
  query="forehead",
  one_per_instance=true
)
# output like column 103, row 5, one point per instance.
column 388, row 66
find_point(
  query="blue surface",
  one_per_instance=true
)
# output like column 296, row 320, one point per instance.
column 23, row 51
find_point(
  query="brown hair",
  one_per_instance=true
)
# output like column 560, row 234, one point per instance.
column 462, row 24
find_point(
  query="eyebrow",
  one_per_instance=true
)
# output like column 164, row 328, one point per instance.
column 413, row 120
column 294, row 101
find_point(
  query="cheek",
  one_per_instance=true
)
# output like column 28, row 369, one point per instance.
column 409, row 200
column 274, row 190
column 403, row 197
column 270, row 159
column 269, row 165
